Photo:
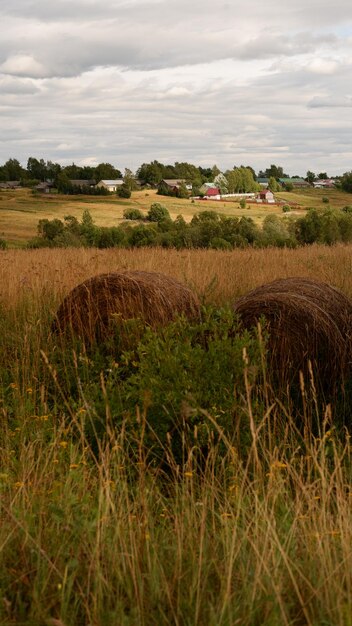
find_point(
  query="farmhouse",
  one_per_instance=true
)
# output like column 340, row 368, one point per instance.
column 82, row 182
column 327, row 183
column 44, row 187
column 111, row 185
column 266, row 196
column 263, row 182
column 172, row 185
column 11, row 184
column 212, row 193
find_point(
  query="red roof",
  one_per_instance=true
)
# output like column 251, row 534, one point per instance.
column 212, row 191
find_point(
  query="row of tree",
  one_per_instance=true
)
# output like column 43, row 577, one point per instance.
column 207, row 229
column 150, row 173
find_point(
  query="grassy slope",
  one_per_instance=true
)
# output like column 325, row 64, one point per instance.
column 20, row 211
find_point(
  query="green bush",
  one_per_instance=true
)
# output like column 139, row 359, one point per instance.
column 133, row 214
column 123, row 191
column 325, row 200
column 157, row 212
column 286, row 208
column 3, row 244
column 174, row 378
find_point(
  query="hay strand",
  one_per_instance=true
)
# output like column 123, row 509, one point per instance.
column 307, row 321
column 92, row 308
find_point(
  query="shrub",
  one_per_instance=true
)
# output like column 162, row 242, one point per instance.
column 133, row 214
column 243, row 203
column 123, row 191
column 218, row 243
column 157, row 212
column 325, row 200
column 142, row 236
column 3, row 244
column 286, row 208
column 174, row 377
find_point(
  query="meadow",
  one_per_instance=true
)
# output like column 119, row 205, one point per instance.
column 20, row 210
column 95, row 528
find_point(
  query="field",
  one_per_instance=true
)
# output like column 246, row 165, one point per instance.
column 20, row 210
column 97, row 531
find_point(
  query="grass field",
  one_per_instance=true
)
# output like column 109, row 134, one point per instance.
column 259, row 534
column 20, row 210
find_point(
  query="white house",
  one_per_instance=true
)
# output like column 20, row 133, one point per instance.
column 111, row 185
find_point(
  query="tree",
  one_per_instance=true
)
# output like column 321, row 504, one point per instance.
column 14, row 170
column 63, row 182
column 346, row 182
column 276, row 171
column 106, row 171
column 157, row 213
column 123, row 191
column 273, row 184
column 240, row 180
column 310, row 177
column 129, row 180
column 221, row 181
column 215, row 171
column 37, row 169
column 323, row 176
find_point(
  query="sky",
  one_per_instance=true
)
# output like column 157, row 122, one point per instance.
column 227, row 82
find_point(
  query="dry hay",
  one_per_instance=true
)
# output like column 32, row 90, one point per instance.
column 97, row 306
column 307, row 321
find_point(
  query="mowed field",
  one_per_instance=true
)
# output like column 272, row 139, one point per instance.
column 20, row 210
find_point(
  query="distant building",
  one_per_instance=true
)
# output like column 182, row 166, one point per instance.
column 11, row 184
column 212, row 193
column 83, row 182
column 44, row 187
column 172, row 185
column 111, row 185
column 263, row 182
column 327, row 183
column 266, row 197
column 297, row 183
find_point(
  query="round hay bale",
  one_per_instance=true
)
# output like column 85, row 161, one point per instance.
column 96, row 306
column 307, row 321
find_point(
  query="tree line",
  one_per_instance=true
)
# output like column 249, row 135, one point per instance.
column 207, row 229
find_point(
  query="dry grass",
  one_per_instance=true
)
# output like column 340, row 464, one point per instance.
column 262, row 539
column 218, row 277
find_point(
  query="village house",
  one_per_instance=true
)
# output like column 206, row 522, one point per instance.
column 44, row 187
column 297, row 183
column 263, row 182
column 327, row 183
column 266, row 197
column 111, row 185
column 212, row 193
column 82, row 182
column 11, row 184
column 172, row 185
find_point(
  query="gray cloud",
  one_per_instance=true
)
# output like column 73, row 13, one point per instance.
column 245, row 82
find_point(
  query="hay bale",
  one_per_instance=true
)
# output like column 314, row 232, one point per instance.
column 307, row 321
column 96, row 306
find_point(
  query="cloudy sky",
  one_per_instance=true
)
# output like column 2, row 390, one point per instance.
column 227, row 82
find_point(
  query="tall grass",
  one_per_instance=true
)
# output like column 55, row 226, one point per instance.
column 254, row 536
